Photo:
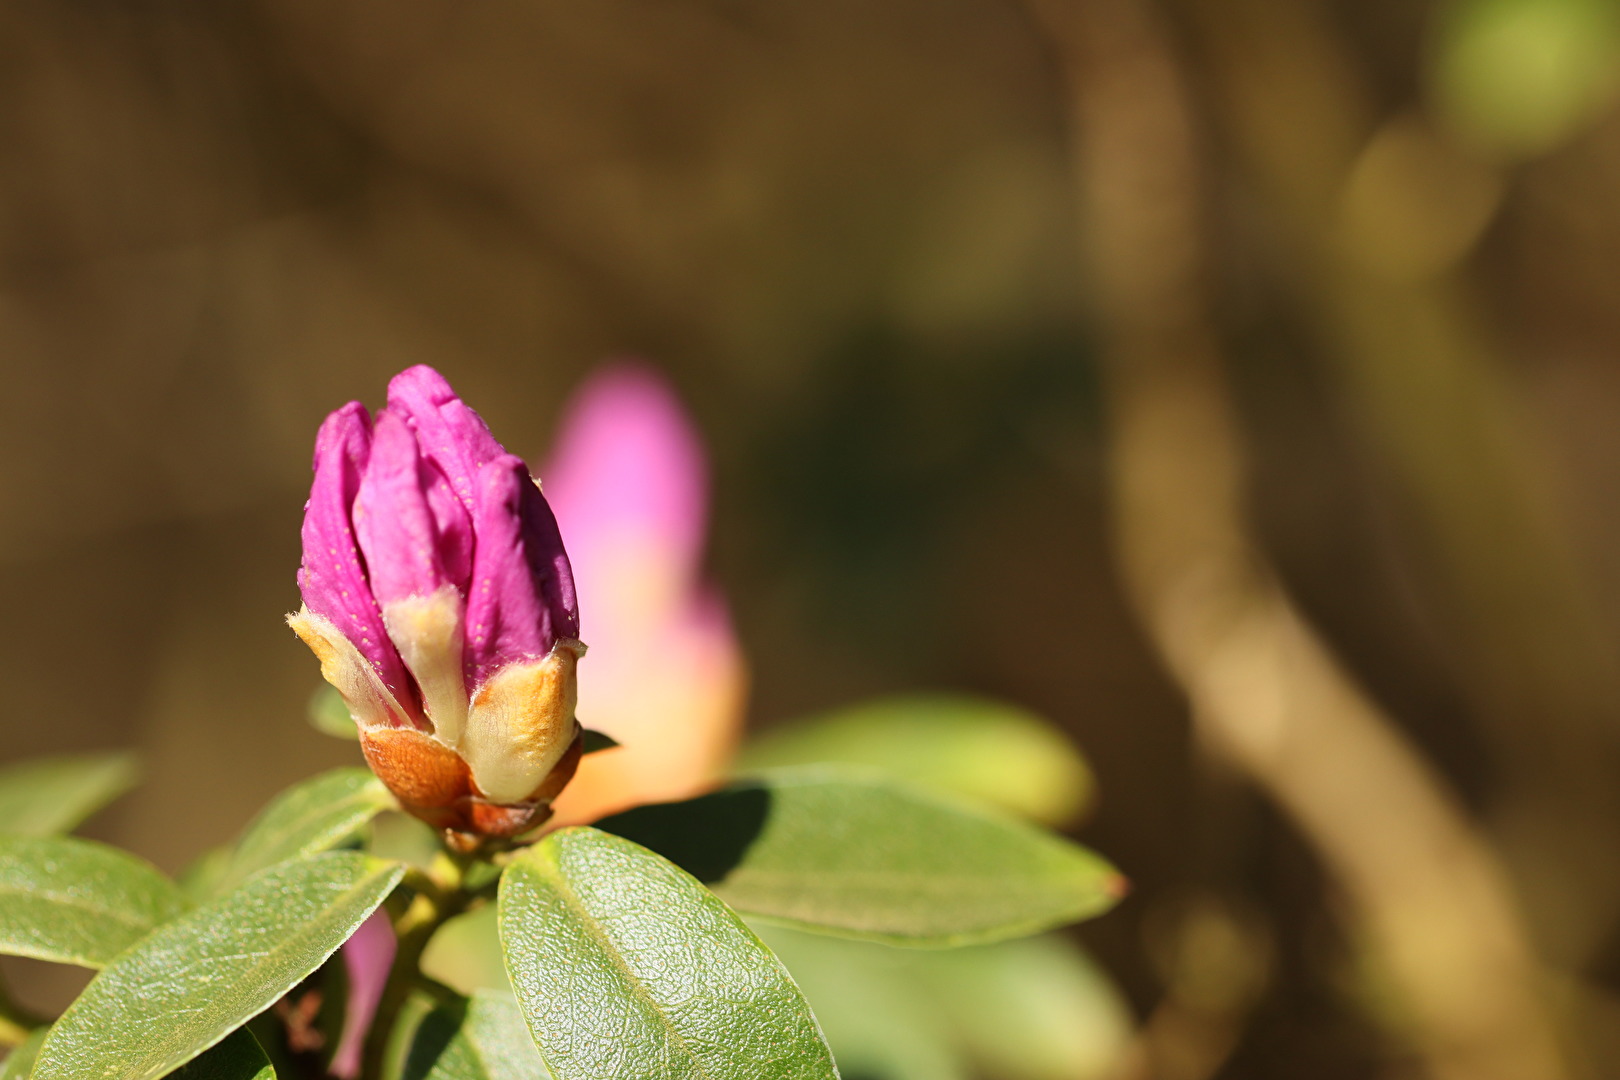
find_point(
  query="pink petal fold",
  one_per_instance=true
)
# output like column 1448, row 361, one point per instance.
column 333, row 576
column 413, row 531
column 521, row 597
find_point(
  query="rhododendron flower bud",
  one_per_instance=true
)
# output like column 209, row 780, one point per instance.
column 440, row 602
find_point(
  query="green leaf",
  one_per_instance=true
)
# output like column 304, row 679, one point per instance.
column 399, row 836
column 54, row 795
column 308, row 818
column 193, row 981
column 625, row 966
column 598, row 740
column 1035, row 1009
column 75, row 901
column 879, row 1022
column 483, row 1038
column 330, row 716
column 239, row 1057
column 1032, row 1009
column 465, row 954
column 199, row 879
column 852, row 853
column 980, row 749
column 21, row 1059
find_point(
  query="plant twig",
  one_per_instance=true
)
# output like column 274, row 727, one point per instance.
column 439, row 897
column 1266, row 693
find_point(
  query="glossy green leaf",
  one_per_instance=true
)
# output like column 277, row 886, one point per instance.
column 483, row 1038
column 21, row 1059
column 54, row 795
column 980, row 749
column 626, row 967
column 239, row 1057
column 193, row 981
column 76, row 901
column 853, row 853
column 308, row 818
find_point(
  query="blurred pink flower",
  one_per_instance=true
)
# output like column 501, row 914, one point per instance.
column 367, row 958
column 628, row 482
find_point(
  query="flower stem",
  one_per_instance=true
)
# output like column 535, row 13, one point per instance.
column 440, row 895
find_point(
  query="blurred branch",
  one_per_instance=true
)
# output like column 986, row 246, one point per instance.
column 1421, row 369
column 1266, row 693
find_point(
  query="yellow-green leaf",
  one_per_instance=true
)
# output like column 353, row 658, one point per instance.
column 193, row 981
column 854, row 853
column 626, row 967
column 76, row 901
column 54, row 795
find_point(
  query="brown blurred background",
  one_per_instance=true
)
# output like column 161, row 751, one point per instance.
column 1104, row 355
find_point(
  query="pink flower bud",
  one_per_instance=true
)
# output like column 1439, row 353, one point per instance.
column 440, row 602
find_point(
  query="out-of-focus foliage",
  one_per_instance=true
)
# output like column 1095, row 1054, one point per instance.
column 1035, row 1009
column 976, row 748
column 77, row 902
column 1518, row 77
column 54, row 795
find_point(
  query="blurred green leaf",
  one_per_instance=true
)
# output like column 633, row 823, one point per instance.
column 465, row 954
column 626, row 967
column 397, row 835
column 194, row 980
column 851, row 852
column 418, row 1007
column 879, row 1021
column 78, row 902
column 55, row 795
column 239, row 1057
column 484, row 1038
column 308, row 818
column 1518, row 77
column 200, row 878
column 20, row 1061
column 329, row 715
column 1032, row 1009
column 973, row 747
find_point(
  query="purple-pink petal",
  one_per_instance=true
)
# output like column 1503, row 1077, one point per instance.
column 368, row 956
column 521, row 597
column 413, row 532
column 628, row 463
column 333, row 577
column 452, row 436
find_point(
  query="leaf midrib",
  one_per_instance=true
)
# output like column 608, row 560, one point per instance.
column 82, row 903
column 594, row 929
column 163, row 1047
column 357, row 799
